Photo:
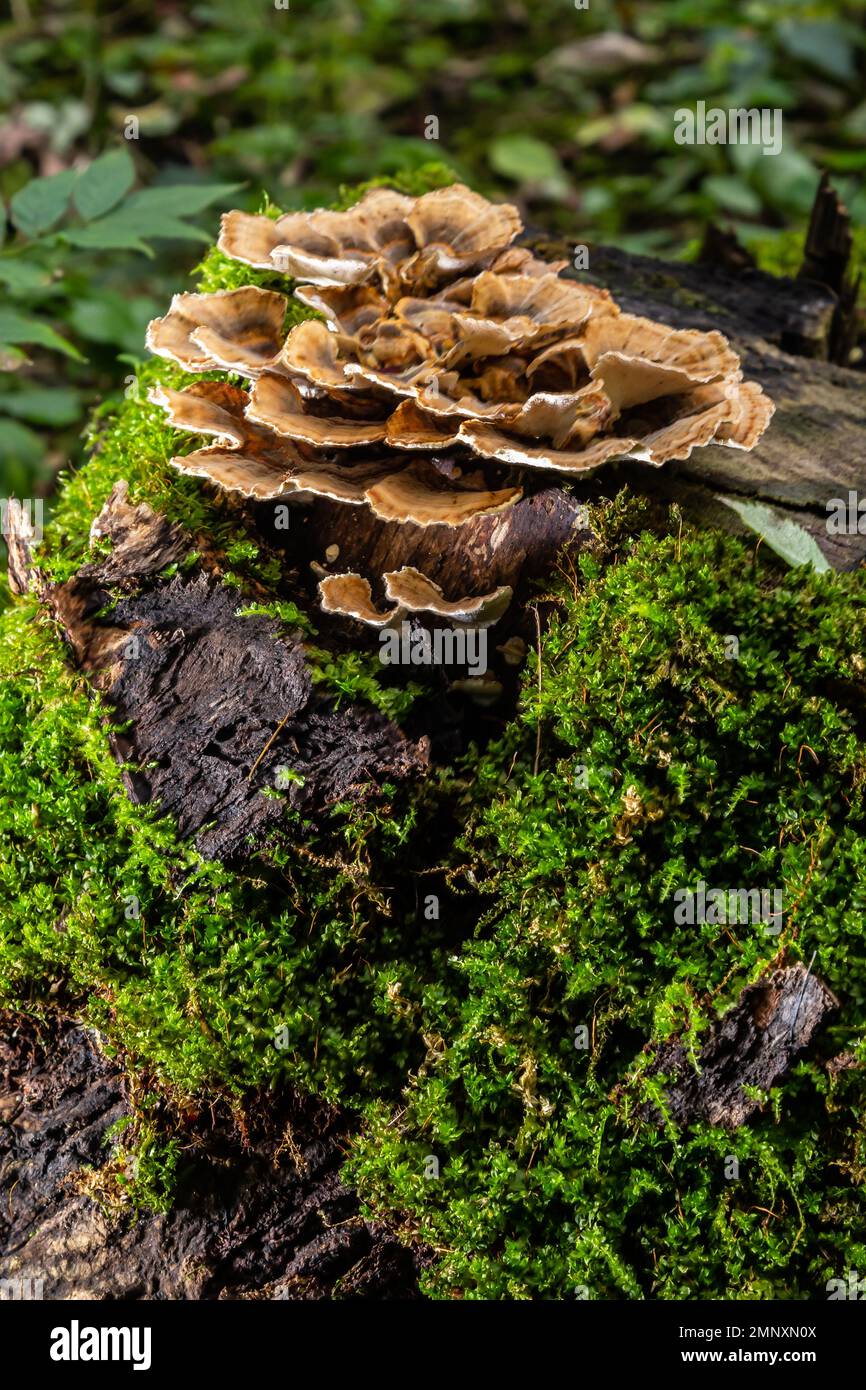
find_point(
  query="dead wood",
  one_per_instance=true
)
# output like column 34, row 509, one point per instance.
column 753, row 1044
column 261, row 1219
column 217, row 707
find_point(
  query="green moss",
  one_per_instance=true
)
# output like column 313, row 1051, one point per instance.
column 661, row 763
column 413, row 182
column 690, row 300
column 317, row 967
column 130, row 439
column 141, row 1172
column 214, row 981
column 358, row 675
column 778, row 253
column 289, row 614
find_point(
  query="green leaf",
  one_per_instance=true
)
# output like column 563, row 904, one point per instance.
column 42, row 202
column 3, row 221
column 789, row 180
column 44, row 405
column 636, row 120
column 526, row 160
column 103, row 184
column 12, row 358
column 854, row 124
column 733, row 194
column 782, row 535
column 23, row 328
column 130, row 228
column 113, row 318
column 19, row 274
column 824, row 43
column 112, row 233
column 20, row 444
column 150, row 214
column 177, row 200
column 172, row 229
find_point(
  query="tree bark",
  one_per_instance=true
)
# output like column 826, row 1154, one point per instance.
column 265, row 1216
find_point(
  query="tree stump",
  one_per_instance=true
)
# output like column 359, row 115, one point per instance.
column 248, row 704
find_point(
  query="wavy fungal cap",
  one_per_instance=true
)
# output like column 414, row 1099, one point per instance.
column 438, row 335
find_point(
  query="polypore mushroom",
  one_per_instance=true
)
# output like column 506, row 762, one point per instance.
column 418, row 594
column 324, row 247
column 395, row 486
column 278, row 404
column 351, row 596
column 450, row 365
column 245, row 458
column 238, row 330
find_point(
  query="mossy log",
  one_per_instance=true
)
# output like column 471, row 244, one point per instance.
column 217, row 702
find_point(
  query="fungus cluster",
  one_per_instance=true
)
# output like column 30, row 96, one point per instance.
column 446, row 363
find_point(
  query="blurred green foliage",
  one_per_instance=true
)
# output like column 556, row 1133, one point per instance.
column 572, row 108
column 62, row 299
column 570, row 111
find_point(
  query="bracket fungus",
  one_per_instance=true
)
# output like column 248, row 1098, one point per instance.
column 351, row 595
column 447, row 363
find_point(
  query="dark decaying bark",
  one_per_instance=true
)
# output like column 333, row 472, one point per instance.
column 754, row 1043
column 219, row 707
column 265, row 1218
column 205, row 698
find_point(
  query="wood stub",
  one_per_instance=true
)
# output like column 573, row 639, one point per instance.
column 753, row 1044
